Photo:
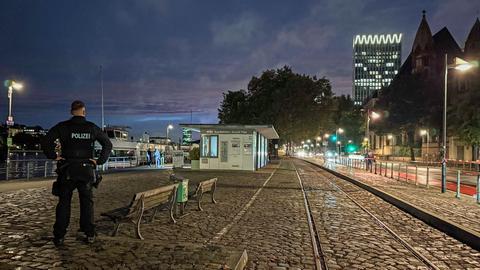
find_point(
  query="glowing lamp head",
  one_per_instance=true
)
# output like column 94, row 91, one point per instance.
column 16, row 85
column 326, row 135
column 423, row 132
column 170, row 127
column 462, row 65
column 340, row 130
column 389, row 136
column 374, row 115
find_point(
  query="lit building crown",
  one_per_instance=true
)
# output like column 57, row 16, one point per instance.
column 377, row 39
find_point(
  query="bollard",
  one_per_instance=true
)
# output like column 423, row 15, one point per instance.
column 399, row 168
column 478, row 188
column 428, row 177
column 458, row 185
column 6, row 169
column 45, row 172
column 406, row 172
column 375, row 168
column 386, row 169
column 391, row 171
column 416, row 175
column 28, row 170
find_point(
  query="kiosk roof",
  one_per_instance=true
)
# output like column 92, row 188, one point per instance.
column 268, row 131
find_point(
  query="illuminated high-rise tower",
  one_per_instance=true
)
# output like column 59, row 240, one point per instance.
column 376, row 61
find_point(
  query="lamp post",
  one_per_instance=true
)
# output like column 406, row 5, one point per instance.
column 461, row 65
column 326, row 136
column 424, row 132
column 11, row 85
column 168, row 128
column 370, row 115
column 337, row 131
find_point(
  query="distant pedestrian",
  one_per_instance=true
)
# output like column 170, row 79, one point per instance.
column 149, row 157
column 157, row 158
column 75, row 169
column 370, row 159
column 162, row 158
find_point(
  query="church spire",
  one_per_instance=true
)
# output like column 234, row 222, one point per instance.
column 423, row 38
column 472, row 45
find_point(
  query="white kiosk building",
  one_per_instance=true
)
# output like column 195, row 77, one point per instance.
column 233, row 147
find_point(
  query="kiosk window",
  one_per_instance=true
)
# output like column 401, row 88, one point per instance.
column 210, row 146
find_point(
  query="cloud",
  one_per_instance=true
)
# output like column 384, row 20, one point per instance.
column 239, row 32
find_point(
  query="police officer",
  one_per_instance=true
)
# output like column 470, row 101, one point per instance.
column 77, row 137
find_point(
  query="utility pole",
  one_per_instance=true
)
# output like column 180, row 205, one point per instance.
column 101, row 86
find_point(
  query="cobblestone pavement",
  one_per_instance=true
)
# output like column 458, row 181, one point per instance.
column 442, row 250
column 278, row 224
column 464, row 211
column 275, row 229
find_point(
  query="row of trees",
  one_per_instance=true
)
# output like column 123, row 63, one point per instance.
column 298, row 105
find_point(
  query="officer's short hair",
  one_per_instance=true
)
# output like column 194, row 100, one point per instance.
column 76, row 105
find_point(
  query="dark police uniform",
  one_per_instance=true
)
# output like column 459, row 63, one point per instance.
column 77, row 137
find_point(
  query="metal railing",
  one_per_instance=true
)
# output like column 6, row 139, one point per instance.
column 404, row 171
column 43, row 168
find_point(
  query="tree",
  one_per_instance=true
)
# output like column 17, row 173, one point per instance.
column 464, row 114
column 299, row 106
column 411, row 102
column 234, row 107
column 349, row 117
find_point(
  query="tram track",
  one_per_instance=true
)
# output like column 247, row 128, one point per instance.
column 319, row 256
column 418, row 238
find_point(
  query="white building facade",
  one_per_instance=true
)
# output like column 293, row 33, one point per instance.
column 233, row 147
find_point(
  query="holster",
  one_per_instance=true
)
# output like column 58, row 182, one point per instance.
column 97, row 179
column 62, row 177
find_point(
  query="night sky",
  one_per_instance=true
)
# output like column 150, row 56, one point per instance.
column 164, row 58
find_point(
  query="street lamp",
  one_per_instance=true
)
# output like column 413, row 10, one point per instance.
column 11, row 85
column 168, row 128
column 424, row 132
column 337, row 131
column 371, row 115
column 461, row 65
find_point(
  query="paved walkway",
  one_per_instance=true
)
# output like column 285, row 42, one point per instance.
column 259, row 211
column 464, row 211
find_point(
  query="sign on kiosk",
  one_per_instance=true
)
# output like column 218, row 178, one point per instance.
column 177, row 159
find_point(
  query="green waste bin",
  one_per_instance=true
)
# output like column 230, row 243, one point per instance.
column 182, row 191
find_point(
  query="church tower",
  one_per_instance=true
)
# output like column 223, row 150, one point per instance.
column 472, row 45
column 423, row 53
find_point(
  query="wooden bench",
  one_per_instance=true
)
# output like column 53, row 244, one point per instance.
column 207, row 186
column 153, row 199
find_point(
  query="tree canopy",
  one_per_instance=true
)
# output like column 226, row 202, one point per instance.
column 298, row 105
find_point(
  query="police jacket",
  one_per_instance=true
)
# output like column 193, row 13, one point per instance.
column 77, row 138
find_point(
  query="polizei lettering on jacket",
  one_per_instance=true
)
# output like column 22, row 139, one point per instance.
column 82, row 136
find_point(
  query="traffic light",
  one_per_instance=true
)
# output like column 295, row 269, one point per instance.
column 333, row 138
column 351, row 148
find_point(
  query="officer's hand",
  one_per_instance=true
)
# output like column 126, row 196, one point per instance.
column 94, row 161
column 59, row 158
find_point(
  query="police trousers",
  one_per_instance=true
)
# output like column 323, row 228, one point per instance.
column 85, row 193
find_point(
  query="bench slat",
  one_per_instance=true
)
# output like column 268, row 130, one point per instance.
column 156, row 191
column 157, row 201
